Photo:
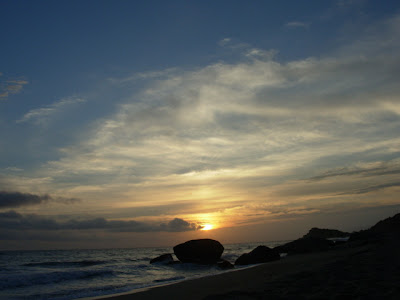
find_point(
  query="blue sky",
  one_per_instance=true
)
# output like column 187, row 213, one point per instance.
column 150, row 120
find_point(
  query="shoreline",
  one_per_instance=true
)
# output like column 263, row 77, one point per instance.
column 367, row 266
column 147, row 288
column 249, row 282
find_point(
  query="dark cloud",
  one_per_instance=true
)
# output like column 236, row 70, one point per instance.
column 346, row 172
column 17, row 199
column 12, row 220
column 374, row 188
column 16, row 221
column 376, row 171
column 178, row 225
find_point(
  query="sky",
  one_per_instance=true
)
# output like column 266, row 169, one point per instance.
column 149, row 123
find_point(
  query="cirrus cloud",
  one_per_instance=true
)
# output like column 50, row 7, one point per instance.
column 249, row 130
column 40, row 115
column 297, row 24
column 10, row 86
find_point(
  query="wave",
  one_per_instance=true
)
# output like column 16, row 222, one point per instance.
column 71, row 274
column 65, row 264
column 231, row 257
column 142, row 266
column 82, row 292
column 141, row 259
column 17, row 281
column 169, row 279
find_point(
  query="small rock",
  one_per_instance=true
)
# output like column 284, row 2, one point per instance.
column 225, row 265
column 164, row 258
column 261, row 254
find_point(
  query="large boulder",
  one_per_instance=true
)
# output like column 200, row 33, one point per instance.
column 261, row 254
column 305, row 245
column 202, row 251
column 163, row 259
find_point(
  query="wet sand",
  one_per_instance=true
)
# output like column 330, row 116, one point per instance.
column 351, row 271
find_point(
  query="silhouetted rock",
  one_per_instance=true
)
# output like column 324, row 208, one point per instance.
column 325, row 233
column 203, row 251
column 225, row 265
column 305, row 245
column 261, row 254
column 164, row 258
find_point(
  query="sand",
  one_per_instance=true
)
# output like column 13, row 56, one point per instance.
column 350, row 271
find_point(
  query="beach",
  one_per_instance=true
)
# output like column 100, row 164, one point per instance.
column 323, row 264
column 83, row 273
column 358, row 270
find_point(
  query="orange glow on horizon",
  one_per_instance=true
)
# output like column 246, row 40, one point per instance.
column 207, row 227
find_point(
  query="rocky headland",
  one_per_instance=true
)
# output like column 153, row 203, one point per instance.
column 367, row 266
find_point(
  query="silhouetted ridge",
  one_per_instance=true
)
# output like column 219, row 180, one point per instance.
column 325, row 233
column 305, row 245
column 391, row 224
column 387, row 228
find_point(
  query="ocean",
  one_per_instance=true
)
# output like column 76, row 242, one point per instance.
column 74, row 274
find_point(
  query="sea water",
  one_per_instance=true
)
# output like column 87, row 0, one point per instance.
column 74, row 274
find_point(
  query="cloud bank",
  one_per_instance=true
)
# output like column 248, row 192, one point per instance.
column 15, row 221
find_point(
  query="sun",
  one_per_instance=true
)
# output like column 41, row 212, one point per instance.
column 207, row 227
